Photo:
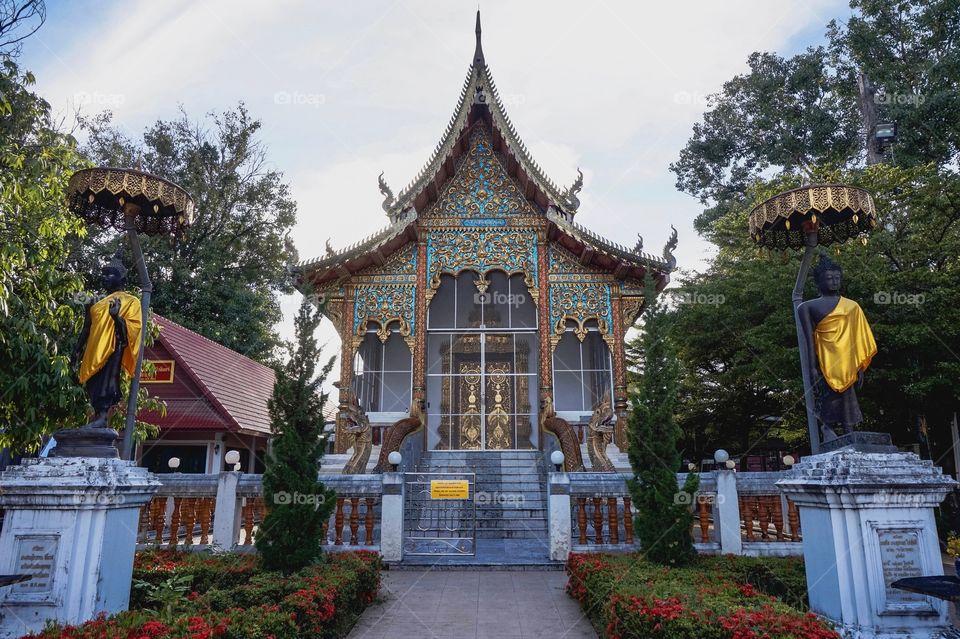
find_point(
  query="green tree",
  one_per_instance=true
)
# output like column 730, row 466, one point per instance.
column 741, row 381
column 221, row 277
column 299, row 504
column 39, row 299
column 664, row 516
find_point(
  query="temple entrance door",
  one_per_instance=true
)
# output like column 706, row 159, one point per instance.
column 485, row 400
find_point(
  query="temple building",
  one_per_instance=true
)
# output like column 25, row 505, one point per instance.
column 484, row 299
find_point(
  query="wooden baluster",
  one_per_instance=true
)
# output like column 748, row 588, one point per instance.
column 582, row 518
column 249, row 512
column 613, row 520
column 793, row 516
column 354, row 520
column 205, row 510
column 776, row 507
column 703, row 512
column 188, row 512
column 143, row 522
column 763, row 505
column 326, row 528
column 368, row 521
column 338, row 524
column 627, row 520
column 159, row 515
column 746, row 513
column 598, row 519
column 175, row 522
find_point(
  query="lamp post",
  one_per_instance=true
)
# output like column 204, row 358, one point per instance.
column 808, row 217
column 133, row 202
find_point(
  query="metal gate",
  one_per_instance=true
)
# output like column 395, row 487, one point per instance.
column 439, row 514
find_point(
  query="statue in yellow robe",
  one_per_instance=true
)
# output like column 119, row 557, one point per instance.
column 109, row 342
column 841, row 347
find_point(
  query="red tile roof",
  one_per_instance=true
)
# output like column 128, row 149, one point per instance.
column 236, row 386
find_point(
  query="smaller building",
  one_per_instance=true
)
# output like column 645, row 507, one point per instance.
column 216, row 401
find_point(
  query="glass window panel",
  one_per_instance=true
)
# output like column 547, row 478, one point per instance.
column 596, row 355
column 441, row 310
column 597, row 383
column 526, row 352
column 370, row 353
column 523, row 312
column 568, row 390
column 468, row 301
column 526, row 432
column 396, row 392
column 496, row 307
column 367, row 388
column 396, row 354
column 438, row 353
column 566, row 357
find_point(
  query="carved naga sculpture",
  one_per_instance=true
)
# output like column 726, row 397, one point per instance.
column 559, row 428
column 395, row 435
column 601, row 433
column 357, row 431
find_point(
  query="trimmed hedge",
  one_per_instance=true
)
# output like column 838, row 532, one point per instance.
column 230, row 597
column 627, row 597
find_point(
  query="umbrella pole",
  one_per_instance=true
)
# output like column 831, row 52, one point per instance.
column 808, row 398
column 147, row 288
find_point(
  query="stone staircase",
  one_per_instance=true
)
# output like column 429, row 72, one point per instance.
column 510, row 490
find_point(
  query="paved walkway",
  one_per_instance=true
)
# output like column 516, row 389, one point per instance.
column 447, row 604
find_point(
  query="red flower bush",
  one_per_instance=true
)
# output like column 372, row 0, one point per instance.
column 631, row 598
column 232, row 599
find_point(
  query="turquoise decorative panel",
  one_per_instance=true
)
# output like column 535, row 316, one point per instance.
column 452, row 251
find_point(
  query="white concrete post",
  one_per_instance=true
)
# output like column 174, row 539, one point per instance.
column 558, row 516
column 727, row 520
column 867, row 521
column 71, row 523
column 226, row 515
column 391, row 517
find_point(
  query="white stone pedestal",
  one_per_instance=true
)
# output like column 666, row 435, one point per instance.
column 867, row 520
column 72, row 523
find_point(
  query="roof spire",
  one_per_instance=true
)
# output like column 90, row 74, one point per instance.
column 478, row 53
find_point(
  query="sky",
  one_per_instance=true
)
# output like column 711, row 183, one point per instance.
column 346, row 90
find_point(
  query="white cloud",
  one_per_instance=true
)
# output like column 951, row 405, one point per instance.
column 611, row 87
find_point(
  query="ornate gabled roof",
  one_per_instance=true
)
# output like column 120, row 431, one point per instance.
column 479, row 98
column 480, row 107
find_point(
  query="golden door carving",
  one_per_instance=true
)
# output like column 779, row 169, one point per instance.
column 500, row 406
column 469, row 392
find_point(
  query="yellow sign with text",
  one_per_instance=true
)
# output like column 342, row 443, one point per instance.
column 449, row 489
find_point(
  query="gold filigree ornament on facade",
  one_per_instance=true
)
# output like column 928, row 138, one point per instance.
column 836, row 211
column 384, row 304
column 453, row 251
column 580, row 302
column 107, row 196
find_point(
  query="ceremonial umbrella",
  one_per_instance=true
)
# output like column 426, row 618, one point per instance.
column 133, row 202
column 811, row 216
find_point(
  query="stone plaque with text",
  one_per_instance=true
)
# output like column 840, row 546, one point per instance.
column 36, row 556
column 900, row 558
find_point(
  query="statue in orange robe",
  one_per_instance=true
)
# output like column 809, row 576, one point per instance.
column 841, row 347
column 109, row 342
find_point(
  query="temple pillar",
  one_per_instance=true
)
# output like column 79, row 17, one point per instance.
column 543, row 319
column 619, row 370
column 420, row 322
column 346, row 362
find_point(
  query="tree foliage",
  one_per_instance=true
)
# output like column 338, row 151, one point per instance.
column 290, row 536
column 664, row 517
column 39, row 300
column 221, row 277
column 796, row 119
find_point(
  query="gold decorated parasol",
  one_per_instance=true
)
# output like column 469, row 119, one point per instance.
column 837, row 212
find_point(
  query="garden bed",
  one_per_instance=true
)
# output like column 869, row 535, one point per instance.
column 714, row 598
column 181, row 595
